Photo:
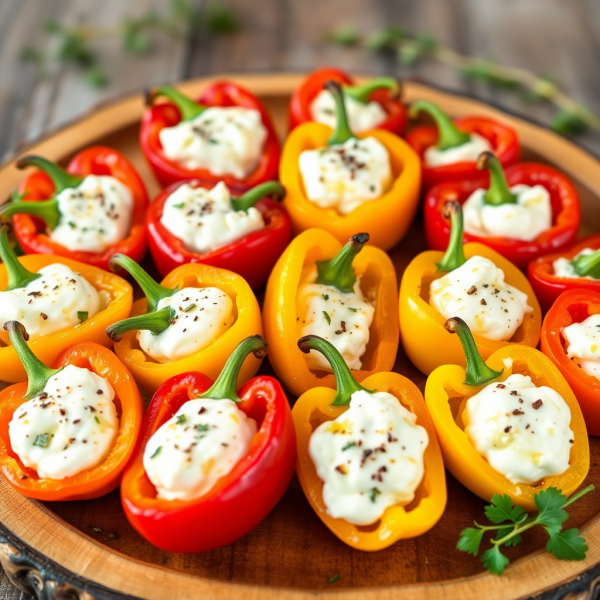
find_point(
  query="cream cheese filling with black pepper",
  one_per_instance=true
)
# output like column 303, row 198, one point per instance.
column 60, row 298
column 201, row 443
column 201, row 316
column 369, row 458
column 345, row 176
column 69, row 427
column 477, row 293
column 522, row 430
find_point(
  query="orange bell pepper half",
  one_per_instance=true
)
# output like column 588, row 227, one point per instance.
column 91, row 483
column 425, row 341
column 378, row 283
column 18, row 272
column 573, row 306
column 387, row 218
column 150, row 374
column 446, row 393
column 319, row 405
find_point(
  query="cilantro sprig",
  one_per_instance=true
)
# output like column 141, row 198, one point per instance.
column 511, row 521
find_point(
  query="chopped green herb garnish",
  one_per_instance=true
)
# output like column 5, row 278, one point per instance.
column 511, row 521
column 181, row 419
column 179, row 205
column 201, row 427
column 349, row 445
column 327, row 318
column 156, row 452
column 42, row 440
column 353, row 309
column 334, row 578
column 97, row 420
column 190, row 307
column 71, row 224
column 82, row 315
column 325, row 297
column 373, row 494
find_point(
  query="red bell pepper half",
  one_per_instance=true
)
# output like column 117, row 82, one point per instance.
column 180, row 107
column 563, row 197
column 384, row 90
column 252, row 256
column 37, row 209
column 548, row 287
column 239, row 500
column 449, row 134
column 573, row 306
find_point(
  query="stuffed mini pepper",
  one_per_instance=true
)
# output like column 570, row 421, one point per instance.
column 226, row 135
column 345, row 294
column 68, row 432
column 346, row 183
column 576, row 267
column 366, row 452
column 191, row 223
column 510, row 425
column 449, row 149
column 212, row 462
column 94, row 209
column 60, row 302
column 571, row 339
column 473, row 282
column 525, row 212
column 192, row 320
column 375, row 104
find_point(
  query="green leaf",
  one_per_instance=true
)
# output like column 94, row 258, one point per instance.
column 513, row 541
column 484, row 71
column 95, row 77
column 346, row 35
column 181, row 419
column 550, row 504
column 385, row 39
column 566, row 545
column 42, row 440
column 334, row 578
column 501, row 509
column 82, row 315
column 52, row 26
column 544, row 88
column 75, row 49
column 470, row 540
column 409, row 53
column 567, row 123
column 135, row 40
column 220, row 18
column 32, row 54
column 494, row 561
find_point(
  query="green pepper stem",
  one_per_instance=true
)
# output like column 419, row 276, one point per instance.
column 449, row 135
column 189, row 109
column 587, row 265
column 455, row 253
column 498, row 192
column 38, row 373
column 338, row 271
column 225, row 387
column 345, row 383
column 477, row 372
column 153, row 291
column 156, row 322
column 342, row 132
column 17, row 275
column 47, row 210
column 251, row 197
column 361, row 93
column 60, row 178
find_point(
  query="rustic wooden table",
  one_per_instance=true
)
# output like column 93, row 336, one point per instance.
column 545, row 36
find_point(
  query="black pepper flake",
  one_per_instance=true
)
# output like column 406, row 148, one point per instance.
column 507, row 428
column 483, row 302
column 23, row 476
column 571, row 441
column 472, row 290
column 537, row 404
column 99, row 392
column 514, row 393
column 202, row 410
column 518, row 411
column 501, row 386
column 44, row 316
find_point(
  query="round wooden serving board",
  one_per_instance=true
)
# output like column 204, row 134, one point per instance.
column 87, row 549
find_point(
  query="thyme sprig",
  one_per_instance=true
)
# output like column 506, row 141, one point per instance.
column 76, row 43
column 571, row 117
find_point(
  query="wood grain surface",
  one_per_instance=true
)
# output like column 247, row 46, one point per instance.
column 546, row 36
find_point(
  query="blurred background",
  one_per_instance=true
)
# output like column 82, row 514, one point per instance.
column 60, row 57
